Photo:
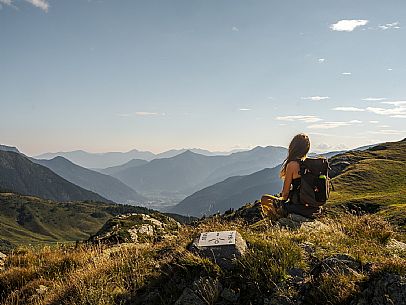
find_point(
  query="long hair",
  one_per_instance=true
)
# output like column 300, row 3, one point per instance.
column 298, row 149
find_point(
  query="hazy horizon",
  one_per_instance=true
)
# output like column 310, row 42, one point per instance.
column 217, row 75
column 179, row 148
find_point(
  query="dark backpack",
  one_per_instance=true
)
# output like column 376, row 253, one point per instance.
column 314, row 183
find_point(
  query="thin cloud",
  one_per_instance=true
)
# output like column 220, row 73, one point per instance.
column 315, row 98
column 244, row 109
column 6, row 2
column 321, row 60
column 348, row 25
column 350, row 109
column 145, row 113
column 388, row 132
column 41, row 4
column 346, row 73
column 235, row 29
column 394, row 112
column 390, row 26
column 374, row 99
column 396, row 103
column 331, row 125
column 302, row 118
column 374, row 122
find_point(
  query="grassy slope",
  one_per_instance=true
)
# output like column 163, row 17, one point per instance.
column 376, row 180
column 26, row 219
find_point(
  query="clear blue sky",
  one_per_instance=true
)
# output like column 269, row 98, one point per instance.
column 114, row 75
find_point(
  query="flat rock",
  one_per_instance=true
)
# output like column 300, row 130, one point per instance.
column 223, row 255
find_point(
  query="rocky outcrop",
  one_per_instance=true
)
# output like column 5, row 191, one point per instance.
column 137, row 228
column 385, row 289
column 250, row 213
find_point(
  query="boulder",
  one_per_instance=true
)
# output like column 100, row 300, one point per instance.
column 223, row 255
column 295, row 221
column 384, row 289
column 339, row 263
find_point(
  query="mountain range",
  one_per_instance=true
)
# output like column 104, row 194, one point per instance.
column 105, row 185
column 357, row 248
column 384, row 164
column 189, row 172
column 238, row 190
column 20, row 175
column 110, row 159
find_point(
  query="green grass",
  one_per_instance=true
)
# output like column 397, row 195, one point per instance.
column 31, row 220
column 374, row 182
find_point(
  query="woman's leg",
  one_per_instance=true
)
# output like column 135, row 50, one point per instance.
column 271, row 206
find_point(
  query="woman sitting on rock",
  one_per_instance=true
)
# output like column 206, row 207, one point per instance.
column 289, row 202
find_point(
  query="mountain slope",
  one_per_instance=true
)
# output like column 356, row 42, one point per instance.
column 189, row 172
column 19, row 175
column 27, row 219
column 116, row 169
column 373, row 180
column 230, row 193
column 105, row 185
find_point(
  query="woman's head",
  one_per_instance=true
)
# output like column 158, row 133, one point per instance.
column 298, row 149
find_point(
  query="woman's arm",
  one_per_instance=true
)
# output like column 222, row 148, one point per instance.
column 288, row 180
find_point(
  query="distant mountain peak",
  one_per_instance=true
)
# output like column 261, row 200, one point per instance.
column 9, row 148
column 188, row 152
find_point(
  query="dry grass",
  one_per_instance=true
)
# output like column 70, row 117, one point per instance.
column 127, row 274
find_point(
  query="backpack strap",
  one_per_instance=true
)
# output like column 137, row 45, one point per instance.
column 302, row 167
